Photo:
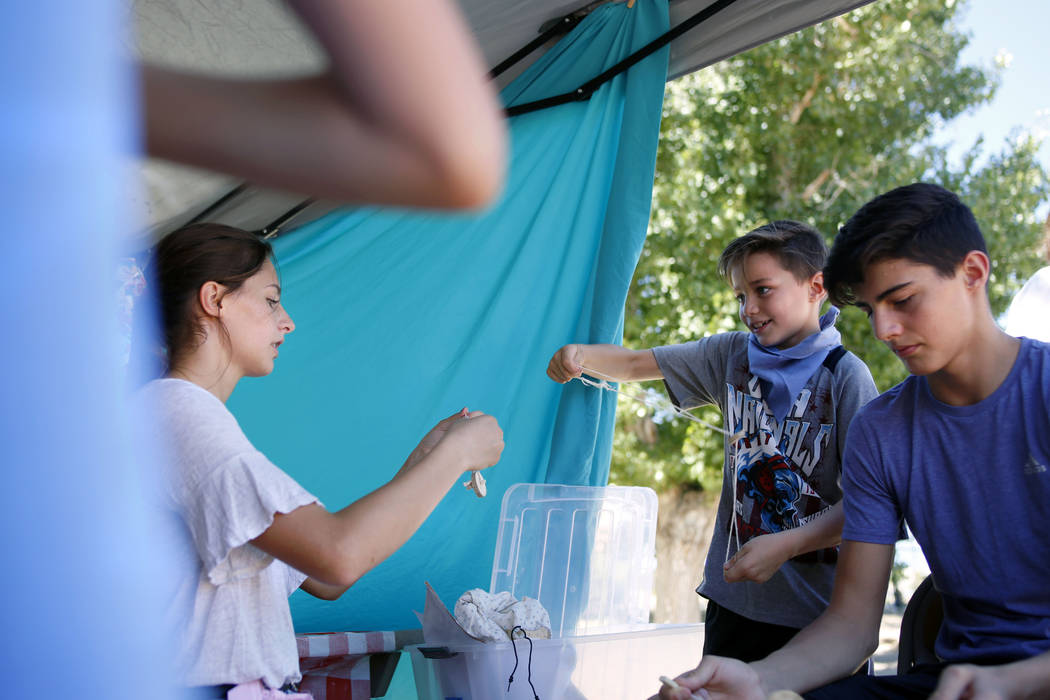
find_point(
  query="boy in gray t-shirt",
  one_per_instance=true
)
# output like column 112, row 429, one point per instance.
column 787, row 390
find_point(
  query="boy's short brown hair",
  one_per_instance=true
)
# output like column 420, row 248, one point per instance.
column 798, row 247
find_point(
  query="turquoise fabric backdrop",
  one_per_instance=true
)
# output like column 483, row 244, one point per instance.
column 405, row 317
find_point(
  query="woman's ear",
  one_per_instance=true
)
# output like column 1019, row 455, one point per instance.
column 210, row 298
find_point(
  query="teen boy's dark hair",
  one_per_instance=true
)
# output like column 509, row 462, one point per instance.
column 922, row 223
column 798, row 247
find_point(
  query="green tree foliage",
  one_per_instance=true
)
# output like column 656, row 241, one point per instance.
column 808, row 127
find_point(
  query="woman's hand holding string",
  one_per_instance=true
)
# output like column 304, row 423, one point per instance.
column 476, row 438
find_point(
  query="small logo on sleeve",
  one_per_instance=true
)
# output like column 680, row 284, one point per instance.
column 1033, row 467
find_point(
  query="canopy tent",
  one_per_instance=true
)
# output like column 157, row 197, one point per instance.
column 83, row 535
column 262, row 38
column 404, row 317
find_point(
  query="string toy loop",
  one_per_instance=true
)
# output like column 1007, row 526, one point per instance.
column 648, row 401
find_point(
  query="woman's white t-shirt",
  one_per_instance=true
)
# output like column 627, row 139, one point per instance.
column 230, row 609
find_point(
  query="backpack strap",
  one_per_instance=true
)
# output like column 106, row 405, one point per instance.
column 832, row 360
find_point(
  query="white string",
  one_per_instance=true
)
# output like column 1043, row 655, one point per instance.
column 733, row 529
column 650, row 401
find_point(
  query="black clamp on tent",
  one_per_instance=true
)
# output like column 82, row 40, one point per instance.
column 585, row 91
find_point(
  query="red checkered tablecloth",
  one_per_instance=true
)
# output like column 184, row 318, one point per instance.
column 335, row 666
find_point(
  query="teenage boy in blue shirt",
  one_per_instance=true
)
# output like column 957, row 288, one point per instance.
column 787, row 390
column 960, row 450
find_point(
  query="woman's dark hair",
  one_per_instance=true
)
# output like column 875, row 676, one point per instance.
column 922, row 223
column 799, row 247
column 187, row 258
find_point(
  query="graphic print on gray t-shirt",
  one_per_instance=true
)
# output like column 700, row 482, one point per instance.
column 776, row 475
column 770, row 463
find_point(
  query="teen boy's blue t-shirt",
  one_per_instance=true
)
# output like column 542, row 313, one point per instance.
column 973, row 484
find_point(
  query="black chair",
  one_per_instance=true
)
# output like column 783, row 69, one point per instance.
column 919, row 627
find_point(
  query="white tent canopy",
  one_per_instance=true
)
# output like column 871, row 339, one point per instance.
column 261, row 37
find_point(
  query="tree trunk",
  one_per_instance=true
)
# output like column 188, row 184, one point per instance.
column 683, row 535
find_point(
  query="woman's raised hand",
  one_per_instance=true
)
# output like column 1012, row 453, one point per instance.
column 476, row 438
column 438, row 431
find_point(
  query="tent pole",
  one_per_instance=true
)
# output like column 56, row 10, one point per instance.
column 273, row 228
column 218, row 204
column 561, row 26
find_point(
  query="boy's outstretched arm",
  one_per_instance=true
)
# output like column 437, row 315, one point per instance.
column 610, row 361
column 832, row 647
column 1022, row 679
column 761, row 556
column 404, row 115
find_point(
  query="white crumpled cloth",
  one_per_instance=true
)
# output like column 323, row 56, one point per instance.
column 491, row 617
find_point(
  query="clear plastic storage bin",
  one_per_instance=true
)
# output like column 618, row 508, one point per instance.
column 594, row 667
column 588, row 555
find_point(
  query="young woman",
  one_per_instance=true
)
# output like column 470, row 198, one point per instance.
column 250, row 534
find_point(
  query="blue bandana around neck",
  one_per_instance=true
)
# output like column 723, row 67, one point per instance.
column 786, row 371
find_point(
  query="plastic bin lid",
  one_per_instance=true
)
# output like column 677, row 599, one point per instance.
column 587, row 553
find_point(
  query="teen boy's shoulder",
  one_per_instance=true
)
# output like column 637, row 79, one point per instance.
column 893, row 406
column 1039, row 351
column 1034, row 358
